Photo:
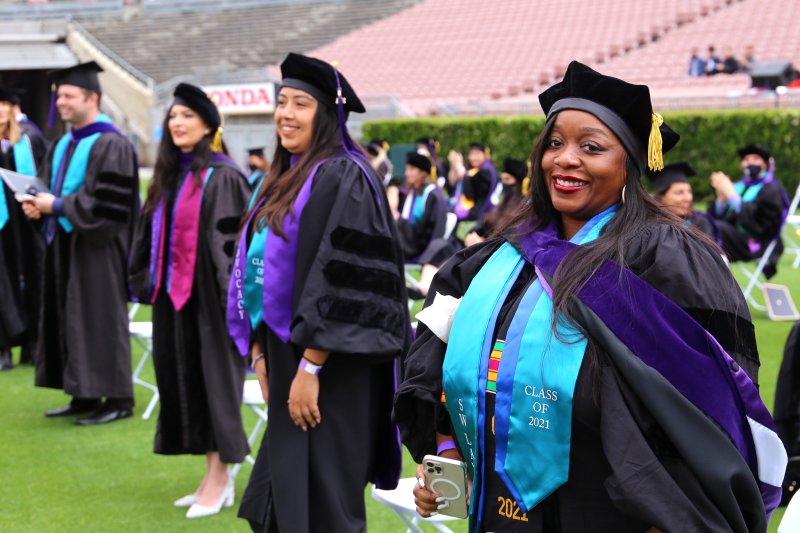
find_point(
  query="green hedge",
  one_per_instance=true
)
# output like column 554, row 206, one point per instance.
column 709, row 139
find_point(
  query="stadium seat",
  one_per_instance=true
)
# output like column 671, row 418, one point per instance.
column 142, row 333
column 252, row 398
column 401, row 501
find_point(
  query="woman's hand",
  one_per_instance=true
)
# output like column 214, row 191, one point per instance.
column 31, row 211
column 427, row 502
column 303, row 397
column 304, row 392
column 722, row 185
column 260, row 368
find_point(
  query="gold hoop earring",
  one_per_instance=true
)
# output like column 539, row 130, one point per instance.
column 623, row 193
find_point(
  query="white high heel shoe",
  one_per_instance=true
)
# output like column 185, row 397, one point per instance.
column 186, row 501
column 225, row 500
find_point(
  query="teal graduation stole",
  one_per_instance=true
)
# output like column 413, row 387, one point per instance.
column 25, row 164
column 253, row 299
column 75, row 174
column 750, row 194
column 418, row 208
column 535, row 382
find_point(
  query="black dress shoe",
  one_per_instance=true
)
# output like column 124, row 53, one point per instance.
column 71, row 410
column 5, row 360
column 104, row 416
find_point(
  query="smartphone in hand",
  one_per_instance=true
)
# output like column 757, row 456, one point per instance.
column 448, row 477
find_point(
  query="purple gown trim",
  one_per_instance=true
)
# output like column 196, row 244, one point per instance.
column 696, row 365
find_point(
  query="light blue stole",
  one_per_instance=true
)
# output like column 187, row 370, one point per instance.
column 535, row 382
column 750, row 194
column 419, row 202
column 254, row 268
column 24, row 164
column 75, row 175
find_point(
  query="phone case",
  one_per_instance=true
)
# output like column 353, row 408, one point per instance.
column 449, row 478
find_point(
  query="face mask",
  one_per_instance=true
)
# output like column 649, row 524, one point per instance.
column 508, row 189
column 754, row 171
column 252, row 167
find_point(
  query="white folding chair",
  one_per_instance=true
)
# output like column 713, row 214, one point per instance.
column 142, row 333
column 401, row 501
column 252, row 398
column 753, row 281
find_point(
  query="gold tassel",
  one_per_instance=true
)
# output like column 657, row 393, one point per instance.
column 216, row 142
column 433, row 172
column 526, row 181
column 385, row 146
column 655, row 157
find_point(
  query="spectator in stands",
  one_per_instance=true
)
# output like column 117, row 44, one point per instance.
column 697, row 65
column 20, row 246
column 424, row 213
column 473, row 187
column 556, row 370
column 181, row 261
column 713, row 62
column 730, row 65
column 749, row 59
column 326, row 320
column 258, row 166
column 515, row 185
column 83, row 338
column 671, row 189
column 750, row 212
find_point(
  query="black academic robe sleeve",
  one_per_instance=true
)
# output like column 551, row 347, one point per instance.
column 105, row 204
column 139, row 262
column 760, row 219
column 418, row 411
column 695, row 277
column 38, row 146
column 415, row 237
column 349, row 295
column 224, row 203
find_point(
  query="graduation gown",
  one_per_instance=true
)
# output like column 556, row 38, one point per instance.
column 477, row 186
column 416, row 236
column 624, row 472
column 759, row 219
column 21, row 249
column 84, row 344
column 349, row 299
column 200, row 376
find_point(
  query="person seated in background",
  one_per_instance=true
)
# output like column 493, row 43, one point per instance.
column 750, row 212
column 730, row 65
column 472, row 196
column 378, row 152
column 424, row 213
column 671, row 189
column 513, row 177
column 258, row 166
column 696, row 64
column 428, row 146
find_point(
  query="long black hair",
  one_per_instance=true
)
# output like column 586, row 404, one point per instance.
column 283, row 182
column 638, row 211
column 165, row 173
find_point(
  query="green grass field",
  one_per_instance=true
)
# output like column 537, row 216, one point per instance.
column 58, row 477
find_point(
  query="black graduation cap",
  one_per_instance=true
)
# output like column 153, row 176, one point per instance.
column 624, row 107
column 7, row 95
column 256, row 152
column 83, row 76
column 418, row 160
column 757, row 149
column 17, row 95
column 515, row 167
column 318, row 78
column 678, row 172
column 197, row 100
column 477, row 146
